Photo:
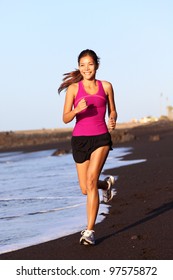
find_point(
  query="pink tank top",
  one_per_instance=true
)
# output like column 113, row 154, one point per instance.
column 91, row 121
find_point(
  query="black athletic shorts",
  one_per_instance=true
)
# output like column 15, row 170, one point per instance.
column 83, row 146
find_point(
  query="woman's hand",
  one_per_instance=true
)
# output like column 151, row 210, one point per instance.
column 82, row 105
column 111, row 124
column 69, row 113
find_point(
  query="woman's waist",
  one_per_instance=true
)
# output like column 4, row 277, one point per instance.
column 87, row 129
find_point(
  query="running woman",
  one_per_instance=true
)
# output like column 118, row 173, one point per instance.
column 86, row 100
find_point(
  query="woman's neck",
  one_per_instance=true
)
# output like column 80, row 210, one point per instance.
column 89, row 83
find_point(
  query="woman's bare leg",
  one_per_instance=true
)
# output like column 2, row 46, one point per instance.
column 82, row 177
column 88, row 174
column 82, row 169
column 97, row 161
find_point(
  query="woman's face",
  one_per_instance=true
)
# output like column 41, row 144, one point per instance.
column 87, row 67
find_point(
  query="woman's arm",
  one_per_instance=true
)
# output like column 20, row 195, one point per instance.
column 69, row 113
column 112, row 113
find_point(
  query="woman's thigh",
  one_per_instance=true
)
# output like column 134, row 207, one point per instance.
column 90, row 170
column 97, row 160
column 82, row 175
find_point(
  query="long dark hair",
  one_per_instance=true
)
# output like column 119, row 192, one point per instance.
column 75, row 76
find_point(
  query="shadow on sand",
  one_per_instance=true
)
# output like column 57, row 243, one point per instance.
column 150, row 215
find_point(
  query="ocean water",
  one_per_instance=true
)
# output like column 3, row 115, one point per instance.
column 40, row 199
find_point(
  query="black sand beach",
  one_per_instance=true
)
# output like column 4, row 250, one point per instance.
column 139, row 225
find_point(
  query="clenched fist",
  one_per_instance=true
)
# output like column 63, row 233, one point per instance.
column 82, row 105
column 111, row 124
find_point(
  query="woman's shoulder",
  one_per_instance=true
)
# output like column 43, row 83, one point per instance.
column 73, row 88
column 106, row 85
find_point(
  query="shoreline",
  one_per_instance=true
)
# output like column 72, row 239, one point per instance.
column 103, row 211
column 138, row 225
column 59, row 139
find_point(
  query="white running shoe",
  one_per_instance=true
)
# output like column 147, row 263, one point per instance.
column 109, row 193
column 87, row 237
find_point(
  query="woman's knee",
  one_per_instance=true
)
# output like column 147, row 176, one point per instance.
column 91, row 182
column 84, row 192
column 83, row 189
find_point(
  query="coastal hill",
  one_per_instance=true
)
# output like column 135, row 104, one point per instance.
column 34, row 140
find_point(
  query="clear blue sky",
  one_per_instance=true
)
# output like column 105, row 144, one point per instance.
column 41, row 39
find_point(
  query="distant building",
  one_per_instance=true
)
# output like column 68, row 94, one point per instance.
column 170, row 112
column 148, row 119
